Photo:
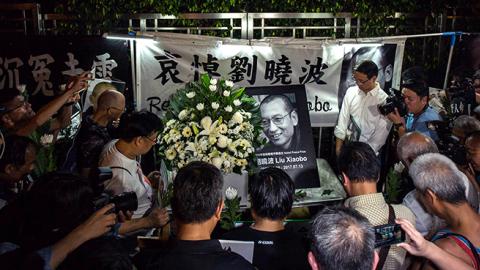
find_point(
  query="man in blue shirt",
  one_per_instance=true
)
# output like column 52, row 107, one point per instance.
column 415, row 94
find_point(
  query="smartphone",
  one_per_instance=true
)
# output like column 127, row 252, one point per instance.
column 389, row 234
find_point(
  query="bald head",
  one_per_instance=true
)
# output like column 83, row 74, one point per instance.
column 414, row 144
column 111, row 99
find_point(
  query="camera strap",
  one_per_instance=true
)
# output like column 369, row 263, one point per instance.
column 384, row 250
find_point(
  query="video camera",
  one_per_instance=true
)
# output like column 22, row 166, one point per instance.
column 394, row 100
column 126, row 201
column 447, row 143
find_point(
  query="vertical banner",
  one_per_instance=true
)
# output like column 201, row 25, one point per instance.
column 43, row 63
column 167, row 63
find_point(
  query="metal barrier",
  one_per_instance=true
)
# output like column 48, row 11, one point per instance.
column 20, row 18
column 27, row 19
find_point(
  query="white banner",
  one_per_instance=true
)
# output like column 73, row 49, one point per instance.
column 166, row 64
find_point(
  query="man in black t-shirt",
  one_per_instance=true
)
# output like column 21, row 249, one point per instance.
column 271, row 194
column 196, row 206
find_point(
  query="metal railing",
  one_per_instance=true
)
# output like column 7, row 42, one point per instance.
column 20, row 18
column 27, row 19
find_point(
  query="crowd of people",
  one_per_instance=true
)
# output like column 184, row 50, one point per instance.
column 82, row 216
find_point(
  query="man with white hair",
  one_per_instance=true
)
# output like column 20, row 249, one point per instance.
column 409, row 147
column 441, row 189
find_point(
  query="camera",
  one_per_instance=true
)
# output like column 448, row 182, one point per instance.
column 126, row 201
column 448, row 144
column 389, row 234
column 394, row 100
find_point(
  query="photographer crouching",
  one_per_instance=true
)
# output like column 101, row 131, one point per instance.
column 415, row 101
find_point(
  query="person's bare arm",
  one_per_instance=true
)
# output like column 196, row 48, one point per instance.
column 47, row 111
column 338, row 146
column 157, row 218
column 418, row 246
column 98, row 224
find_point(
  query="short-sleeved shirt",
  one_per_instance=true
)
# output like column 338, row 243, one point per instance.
column 376, row 210
column 127, row 176
column 273, row 250
column 420, row 123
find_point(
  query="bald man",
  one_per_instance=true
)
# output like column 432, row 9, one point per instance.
column 93, row 134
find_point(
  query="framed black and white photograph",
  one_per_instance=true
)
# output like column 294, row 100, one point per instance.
column 287, row 130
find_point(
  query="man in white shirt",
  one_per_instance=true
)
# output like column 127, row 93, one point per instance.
column 138, row 133
column 359, row 118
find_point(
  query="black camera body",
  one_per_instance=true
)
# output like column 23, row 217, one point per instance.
column 448, row 144
column 394, row 100
column 126, row 201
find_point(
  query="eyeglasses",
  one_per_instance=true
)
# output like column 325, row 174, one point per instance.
column 359, row 82
column 22, row 104
column 154, row 141
column 277, row 120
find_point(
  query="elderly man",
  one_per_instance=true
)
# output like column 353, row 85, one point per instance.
column 441, row 190
column 409, row 147
column 359, row 118
column 342, row 239
column 93, row 134
column 360, row 168
column 196, row 206
column 280, row 123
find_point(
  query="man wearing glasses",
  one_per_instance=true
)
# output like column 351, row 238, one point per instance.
column 17, row 116
column 280, row 123
column 359, row 118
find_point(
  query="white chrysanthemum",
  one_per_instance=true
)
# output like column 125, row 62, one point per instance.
column 46, row 139
column 213, row 81
column 237, row 102
column 231, row 193
column 170, row 153
column 190, row 94
column 217, row 162
column 237, row 118
column 228, row 108
column 222, row 128
column 186, row 132
column 200, row 106
column 215, row 105
column 226, row 93
column 229, row 83
column 212, row 88
column 222, row 141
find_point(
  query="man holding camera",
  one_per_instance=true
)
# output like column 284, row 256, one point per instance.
column 415, row 95
column 359, row 118
column 360, row 169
